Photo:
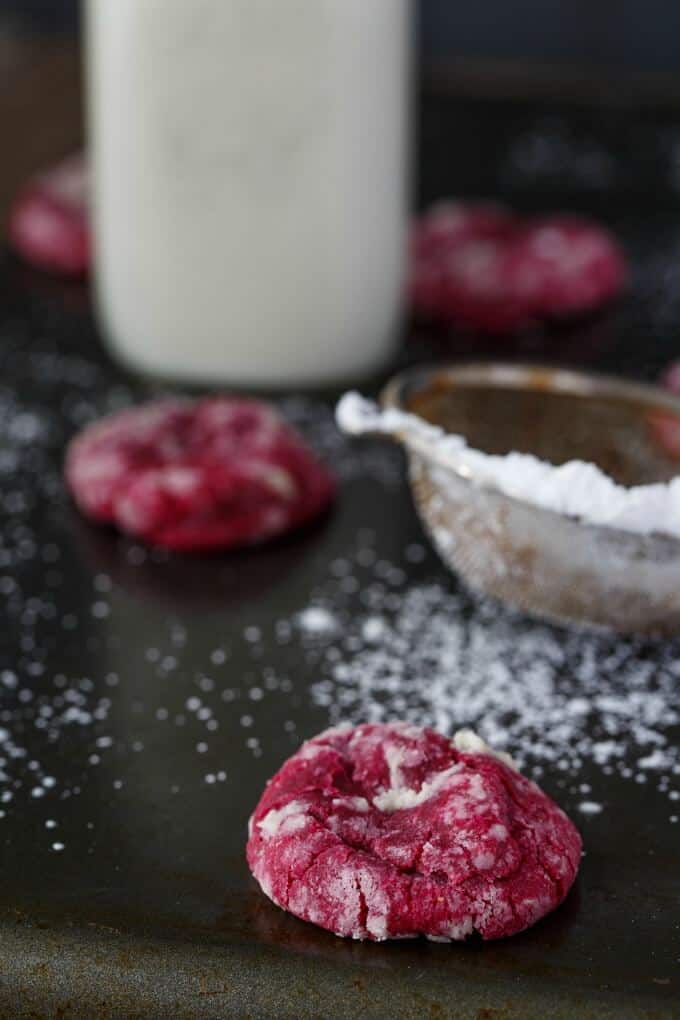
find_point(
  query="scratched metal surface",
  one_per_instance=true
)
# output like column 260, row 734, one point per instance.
column 146, row 907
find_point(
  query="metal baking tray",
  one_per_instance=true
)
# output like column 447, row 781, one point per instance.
column 148, row 908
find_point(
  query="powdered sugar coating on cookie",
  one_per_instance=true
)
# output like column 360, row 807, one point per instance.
column 389, row 831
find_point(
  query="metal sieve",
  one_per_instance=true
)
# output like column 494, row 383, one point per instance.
column 545, row 563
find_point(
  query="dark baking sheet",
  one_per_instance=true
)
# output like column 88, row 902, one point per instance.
column 145, row 906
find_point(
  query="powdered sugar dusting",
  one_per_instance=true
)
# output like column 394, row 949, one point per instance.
column 317, row 620
column 286, row 819
column 590, row 807
column 83, row 708
column 70, row 671
column 577, row 489
column 555, row 700
column 399, row 798
column 468, row 742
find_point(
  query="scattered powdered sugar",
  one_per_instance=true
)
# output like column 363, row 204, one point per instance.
column 551, row 152
column 316, row 620
column 80, row 701
column 589, row 807
column 557, row 701
column 577, row 488
column 81, row 704
column 373, row 629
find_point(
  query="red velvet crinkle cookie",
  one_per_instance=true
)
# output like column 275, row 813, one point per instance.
column 483, row 267
column 392, row 831
column 48, row 221
column 217, row 473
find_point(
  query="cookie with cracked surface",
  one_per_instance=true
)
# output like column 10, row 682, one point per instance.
column 216, row 473
column 485, row 268
column 392, row 831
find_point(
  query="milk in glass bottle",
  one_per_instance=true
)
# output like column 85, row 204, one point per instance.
column 249, row 168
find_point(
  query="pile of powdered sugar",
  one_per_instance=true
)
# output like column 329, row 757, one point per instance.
column 577, row 488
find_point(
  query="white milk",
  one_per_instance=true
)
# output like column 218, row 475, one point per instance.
column 250, row 169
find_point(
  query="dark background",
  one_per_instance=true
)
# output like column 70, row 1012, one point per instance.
column 612, row 35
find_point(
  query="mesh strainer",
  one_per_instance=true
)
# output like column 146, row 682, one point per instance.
column 545, row 563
